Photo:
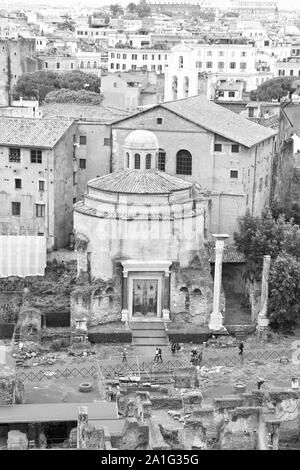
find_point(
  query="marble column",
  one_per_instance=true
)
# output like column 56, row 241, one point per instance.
column 262, row 319
column 216, row 318
column 166, row 296
column 125, row 297
column 82, row 422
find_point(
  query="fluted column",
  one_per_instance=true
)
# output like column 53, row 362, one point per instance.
column 216, row 318
column 262, row 319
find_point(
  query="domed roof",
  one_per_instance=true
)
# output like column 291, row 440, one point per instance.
column 289, row 30
column 139, row 182
column 141, row 139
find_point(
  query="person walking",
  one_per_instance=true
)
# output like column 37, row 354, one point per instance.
column 173, row 348
column 241, row 348
column 159, row 355
column 124, row 355
column 156, row 355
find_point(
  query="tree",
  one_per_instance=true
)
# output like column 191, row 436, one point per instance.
column 116, row 10
column 143, row 9
column 273, row 89
column 281, row 240
column 131, row 7
column 38, row 84
column 284, row 291
column 74, row 96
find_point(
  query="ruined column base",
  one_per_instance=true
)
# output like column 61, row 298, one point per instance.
column 124, row 315
column 166, row 314
column 216, row 322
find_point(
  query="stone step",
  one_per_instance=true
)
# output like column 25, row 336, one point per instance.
column 150, row 341
column 147, row 326
column 149, row 334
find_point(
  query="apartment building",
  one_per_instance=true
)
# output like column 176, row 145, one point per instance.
column 125, row 59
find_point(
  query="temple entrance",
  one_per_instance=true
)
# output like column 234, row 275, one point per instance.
column 145, row 292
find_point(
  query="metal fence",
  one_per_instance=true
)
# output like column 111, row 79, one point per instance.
column 146, row 368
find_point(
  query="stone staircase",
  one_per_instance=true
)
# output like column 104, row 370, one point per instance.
column 147, row 336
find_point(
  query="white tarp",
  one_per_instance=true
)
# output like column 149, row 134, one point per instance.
column 22, row 255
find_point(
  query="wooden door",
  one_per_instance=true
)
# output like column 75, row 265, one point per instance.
column 145, row 297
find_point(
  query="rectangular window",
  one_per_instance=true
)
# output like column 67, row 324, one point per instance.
column 118, row 66
column 36, row 156
column 124, row 67
column 198, row 64
column 260, row 184
column 16, row 208
column 134, row 56
column 72, row 65
column 161, row 161
column 112, row 55
column 218, row 147
column 145, row 57
column 18, row 183
column 14, row 155
column 235, row 148
column 124, row 56
column 243, row 54
column 159, row 120
column 234, row 174
column 243, row 65
column 209, row 53
column 74, row 178
column 133, row 67
column 118, row 56
column 112, row 66
column 107, row 141
column 82, row 139
column 82, row 163
column 221, row 53
column 41, row 185
column 58, row 65
column 291, row 72
column 40, row 210
column 231, row 94
column 250, row 112
column 232, row 65
column 209, row 65
column 74, row 200
column 221, row 65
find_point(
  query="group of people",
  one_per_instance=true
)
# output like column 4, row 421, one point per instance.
column 158, row 356
column 175, row 347
column 196, row 357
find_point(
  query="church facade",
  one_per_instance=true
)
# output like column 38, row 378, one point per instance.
column 140, row 235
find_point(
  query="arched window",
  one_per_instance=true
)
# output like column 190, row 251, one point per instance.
column 95, row 65
column 82, row 65
column 127, row 160
column 161, row 163
column 148, row 161
column 137, row 161
column 183, row 162
column 174, row 87
column 197, row 292
column 186, row 82
column 88, row 65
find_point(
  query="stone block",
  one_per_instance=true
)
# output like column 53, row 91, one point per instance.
column 17, row 441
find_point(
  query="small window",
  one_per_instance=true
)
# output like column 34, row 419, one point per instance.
column 127, row 160
column 148, row 161
column 58, row 65
column 41, row 185
column 235, row 148
column 234, row 174
column 14, row 155
column 209, row 65
column 218, row 147
column 74, row 178
column 18, row 183
column 106, row 141
column 82, row 163
column 231, row 94
column 232, row 65
column 137, row 161
column 82, row 139
column 36, row 156
column 159, row 120
column 40, row 210
column 250, row 112
column 74, row 200
column 16, row 208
